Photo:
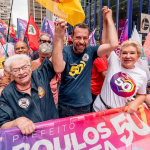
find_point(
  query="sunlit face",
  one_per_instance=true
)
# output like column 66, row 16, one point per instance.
column 80, row 39
column 128, row 57
column 21, row 72
column 42, row 56
column 21, row 48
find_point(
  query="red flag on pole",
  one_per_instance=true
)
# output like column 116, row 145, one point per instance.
column 32, row 34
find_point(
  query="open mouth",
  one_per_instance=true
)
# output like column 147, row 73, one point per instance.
column 22, row 77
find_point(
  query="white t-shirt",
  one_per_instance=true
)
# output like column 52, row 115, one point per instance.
column 120, row 84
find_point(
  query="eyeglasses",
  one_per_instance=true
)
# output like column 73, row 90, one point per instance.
column 45, row 41
column 22, row 48
column 17, row 70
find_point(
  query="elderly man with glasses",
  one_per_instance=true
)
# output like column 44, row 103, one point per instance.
column 43, row 38
column 28, row 99
column 19, row 48
column 45, row 50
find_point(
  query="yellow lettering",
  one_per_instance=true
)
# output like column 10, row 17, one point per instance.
column 73, row 70
column 76, row 70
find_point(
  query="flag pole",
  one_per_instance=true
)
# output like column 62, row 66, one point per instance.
column 9, row 20
column 4, row 50
column 3, row 46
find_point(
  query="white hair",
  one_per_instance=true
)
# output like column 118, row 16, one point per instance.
column 45, row 48
column 11, row 59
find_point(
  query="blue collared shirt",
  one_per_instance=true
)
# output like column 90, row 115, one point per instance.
column 39, row 106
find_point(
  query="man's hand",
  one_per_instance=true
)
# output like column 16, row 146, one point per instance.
column 60, row 28
column 25, row 125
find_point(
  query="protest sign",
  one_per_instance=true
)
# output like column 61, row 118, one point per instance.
column 112, row 129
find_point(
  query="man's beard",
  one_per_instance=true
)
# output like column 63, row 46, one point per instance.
column 79, row 50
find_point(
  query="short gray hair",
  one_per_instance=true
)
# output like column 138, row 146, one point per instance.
column 11, row 59
column 44, row 34
column 45, row 48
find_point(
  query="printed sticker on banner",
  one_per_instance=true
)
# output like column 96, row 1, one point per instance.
column 122, row 84
column 41, row 92
column 24, row 103
column 85, row 57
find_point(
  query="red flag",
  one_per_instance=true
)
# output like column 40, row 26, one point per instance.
column 32, row 34
column 146, row 45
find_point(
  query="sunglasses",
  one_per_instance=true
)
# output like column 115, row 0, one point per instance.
column 45, row 41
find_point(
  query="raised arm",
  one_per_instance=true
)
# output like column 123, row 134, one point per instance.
column 104, row 32
column 111, row 39
column 57, row 56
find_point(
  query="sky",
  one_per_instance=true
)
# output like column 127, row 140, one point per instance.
column 19, row 10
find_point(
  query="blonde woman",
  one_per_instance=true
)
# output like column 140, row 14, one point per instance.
column 125, row 84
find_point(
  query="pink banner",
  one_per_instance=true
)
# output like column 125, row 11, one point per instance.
column 146, row 46
column 123, row 37
column 121, row 24
column 106, row 130
column 92, row 38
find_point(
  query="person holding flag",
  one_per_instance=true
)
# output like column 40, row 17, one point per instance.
column 75, row 64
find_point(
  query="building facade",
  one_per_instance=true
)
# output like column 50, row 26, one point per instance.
column 38, row 12
column 5, row 10
column 122, row 10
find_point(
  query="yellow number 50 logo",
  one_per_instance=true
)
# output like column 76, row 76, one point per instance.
column 76, row 70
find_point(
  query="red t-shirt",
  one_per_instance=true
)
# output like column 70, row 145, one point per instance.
column 99, row 65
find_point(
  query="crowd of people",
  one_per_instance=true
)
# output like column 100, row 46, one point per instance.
column 60, row 81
